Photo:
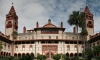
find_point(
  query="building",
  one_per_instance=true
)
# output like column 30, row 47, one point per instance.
column 43, row 39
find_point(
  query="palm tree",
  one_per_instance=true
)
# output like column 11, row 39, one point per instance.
column 83, row 32
column 76, row 18
column 1, row 46
column 14, row 36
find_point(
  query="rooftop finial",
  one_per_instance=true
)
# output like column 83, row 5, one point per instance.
column 86, row 3
column 49, row 21
column 12, row 2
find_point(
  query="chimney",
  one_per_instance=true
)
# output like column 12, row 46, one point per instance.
column 37, row 25
column 61, row 25
column 24, row 29
column 74, row 29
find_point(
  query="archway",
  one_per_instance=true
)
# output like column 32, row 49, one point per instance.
column 32, row 54
column 9, row 54
column 19, row 55
column 27, row 54
column 80, row 54
column 67, row 54
column 1, row 53
column 5, row 54
column 23, row 54
column 75, row 54
column 71, row 54
column 15, row 54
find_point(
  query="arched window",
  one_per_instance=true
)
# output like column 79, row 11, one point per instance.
column 23, row 47
column 68, row 47
column 82, row 47
column 8, row 47
column 16, row 48
column 4, row 46
column 75, row 47
column 31, row 47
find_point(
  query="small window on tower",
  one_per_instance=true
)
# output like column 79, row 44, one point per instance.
column 9, row 22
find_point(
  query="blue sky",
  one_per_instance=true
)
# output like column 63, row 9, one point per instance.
column 31, row 11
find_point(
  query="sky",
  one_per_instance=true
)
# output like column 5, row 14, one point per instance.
column 31, row 11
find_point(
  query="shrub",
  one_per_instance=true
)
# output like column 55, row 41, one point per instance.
column 57, row 57
column 82, row 59
column 97, row 58
column 74, row 58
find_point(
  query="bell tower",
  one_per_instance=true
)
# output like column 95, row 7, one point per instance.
column 11, row 23
column 89, row 22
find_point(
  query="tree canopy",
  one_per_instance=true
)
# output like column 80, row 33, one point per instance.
column 14, row 34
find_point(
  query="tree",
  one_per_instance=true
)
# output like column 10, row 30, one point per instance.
column 27, row 57
column 65, row 57
column 89, row 53
column 41, row 57
column 14, row 35
column 57, row 57
column 1, row 46
column 76, row 18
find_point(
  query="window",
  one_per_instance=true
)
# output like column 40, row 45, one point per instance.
column 23, row 47
column 56, row 37
column 98, row 43
column 73, row 38
column 82, row 47
column 31, row 47
column 50, row 31
column 8, row 47
column 93, row 44
column 49, row 37
column 16, row 48
column 32, row 37
column 75, row 47
column 25, row 37
column 55, row 48
column 4, row 46
column 42, row 37
column 68, row 47
column 44, row 48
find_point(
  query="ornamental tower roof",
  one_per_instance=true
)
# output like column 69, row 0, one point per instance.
column 87, row 10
